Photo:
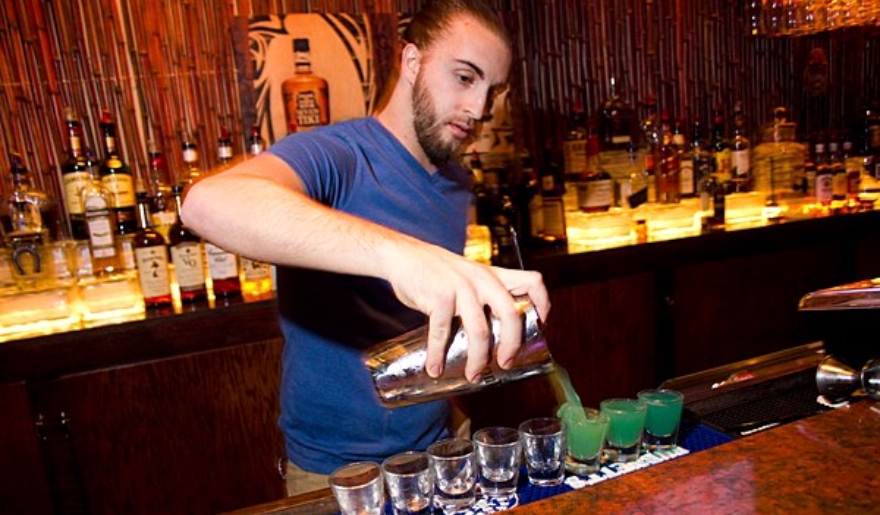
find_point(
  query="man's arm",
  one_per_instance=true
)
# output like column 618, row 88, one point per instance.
column 259, row 209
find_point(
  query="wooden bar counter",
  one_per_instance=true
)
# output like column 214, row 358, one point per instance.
column 177, row 414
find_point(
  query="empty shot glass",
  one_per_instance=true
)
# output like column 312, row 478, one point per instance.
column 358, row 488
column 543, row 444
column 409, row 479
column 662, row 418
column 454, row 474
column 585, row 432
column 498, row 460
column 626, row 421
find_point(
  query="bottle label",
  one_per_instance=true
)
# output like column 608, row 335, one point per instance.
column 162, row 220
column 190, row 155
column 723, row 165
column 740, row 163
column 73, row 184
column 594, row 195
column 188, row 265
column 686, row 177
column 574, row 155
column 121, row 188
column 824, row 187
column 126, row 252
column 100, row 233
column 255, row 270
column 224, row 152
column 554, row 216
column 152, row 266
column 221, row 263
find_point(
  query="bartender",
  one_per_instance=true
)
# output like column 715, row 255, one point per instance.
column 366, row 222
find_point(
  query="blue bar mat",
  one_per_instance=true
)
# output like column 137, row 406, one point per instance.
column 692, row 438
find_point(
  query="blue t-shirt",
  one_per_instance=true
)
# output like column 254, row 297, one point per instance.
column 330, row 412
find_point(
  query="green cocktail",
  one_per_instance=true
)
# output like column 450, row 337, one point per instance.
column 663, row 416
column 585, row 432
column 627, row 421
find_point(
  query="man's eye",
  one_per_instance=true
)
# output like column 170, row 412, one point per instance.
column 465, row 79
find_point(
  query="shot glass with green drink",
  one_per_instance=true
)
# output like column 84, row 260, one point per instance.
column 662, row 417
column 627, row 422
column 585, row 432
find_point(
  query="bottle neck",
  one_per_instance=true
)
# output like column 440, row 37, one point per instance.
column 143, row 216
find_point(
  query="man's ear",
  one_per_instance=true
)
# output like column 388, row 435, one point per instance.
column 410, row 61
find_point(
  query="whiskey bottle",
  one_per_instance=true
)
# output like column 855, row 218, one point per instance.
column 687, row 184
column 25, row 224
column 117, row 178
column 192, row 168
column 74, row 176
column 256, row 276
column 151, row 257
column 574, row 155
column 617, row 122
column 740, row 153
column 101, row 224
column 722, row 164
column 306, row 98
column 838, row 170
column 701, row 156
column 650, row 138
column 256, row 145
column 224, row 149
column 595, row 193
column 554, row 233
column 668, row 168
column 186, row 256
column 528, row 202
column 223, row 269
column 162, row 212
column 824, row 182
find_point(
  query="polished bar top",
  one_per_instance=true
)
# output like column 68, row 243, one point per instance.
column 824, row 464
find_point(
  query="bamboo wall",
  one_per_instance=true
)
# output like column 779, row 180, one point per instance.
column 167, row 66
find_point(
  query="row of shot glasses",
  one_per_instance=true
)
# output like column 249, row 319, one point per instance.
column 453, row 473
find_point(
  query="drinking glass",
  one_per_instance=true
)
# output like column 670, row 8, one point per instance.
column 543, row 443
column 662, row 417
column 454, row 475
column 626, row 424
column 358, row 488
column 586, row 430
column 498, row 460
column 409, row 479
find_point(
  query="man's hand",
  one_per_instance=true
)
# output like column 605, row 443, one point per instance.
column 444, row 285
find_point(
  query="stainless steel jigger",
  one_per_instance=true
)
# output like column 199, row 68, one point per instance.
column 397, row 366
column 837, row 380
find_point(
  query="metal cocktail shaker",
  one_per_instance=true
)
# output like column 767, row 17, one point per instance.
column 397, row 366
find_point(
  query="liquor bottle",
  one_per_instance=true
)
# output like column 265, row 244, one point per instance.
column 117, row 178
column 838, row 170
column 824, row 182
column 25, row 223
column 151, row 256
column 74, row 176
column 617, row 122
column 595, row 187
column 574, row 155
column 722, row 163
column 256, row 276
column 687, row 185
column 162, row 212
column 701, row 155
column 740, row 153
column 186, row 256
column 192, row 168
column 635, row 191
column 650, row 139
column 554, row 233
column 853, row 166
column 306, row 100
column 101, row 224
column 499, row 214
column 224, row 149
column 256, row 145
column 667, row 165
column 529, row 206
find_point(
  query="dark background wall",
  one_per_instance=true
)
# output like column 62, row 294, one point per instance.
column 167, row 67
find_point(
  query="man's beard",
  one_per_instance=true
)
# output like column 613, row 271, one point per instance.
column 429, row 129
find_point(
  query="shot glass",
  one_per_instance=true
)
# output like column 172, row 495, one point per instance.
column 358, row 488
column 543, row 444
column 498, row 460
column 585, row 432
column 409, row 479
column 662, row 418
column 626, row 422
column 454, row 474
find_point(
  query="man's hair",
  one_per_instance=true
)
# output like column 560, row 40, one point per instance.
column 429, row 23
